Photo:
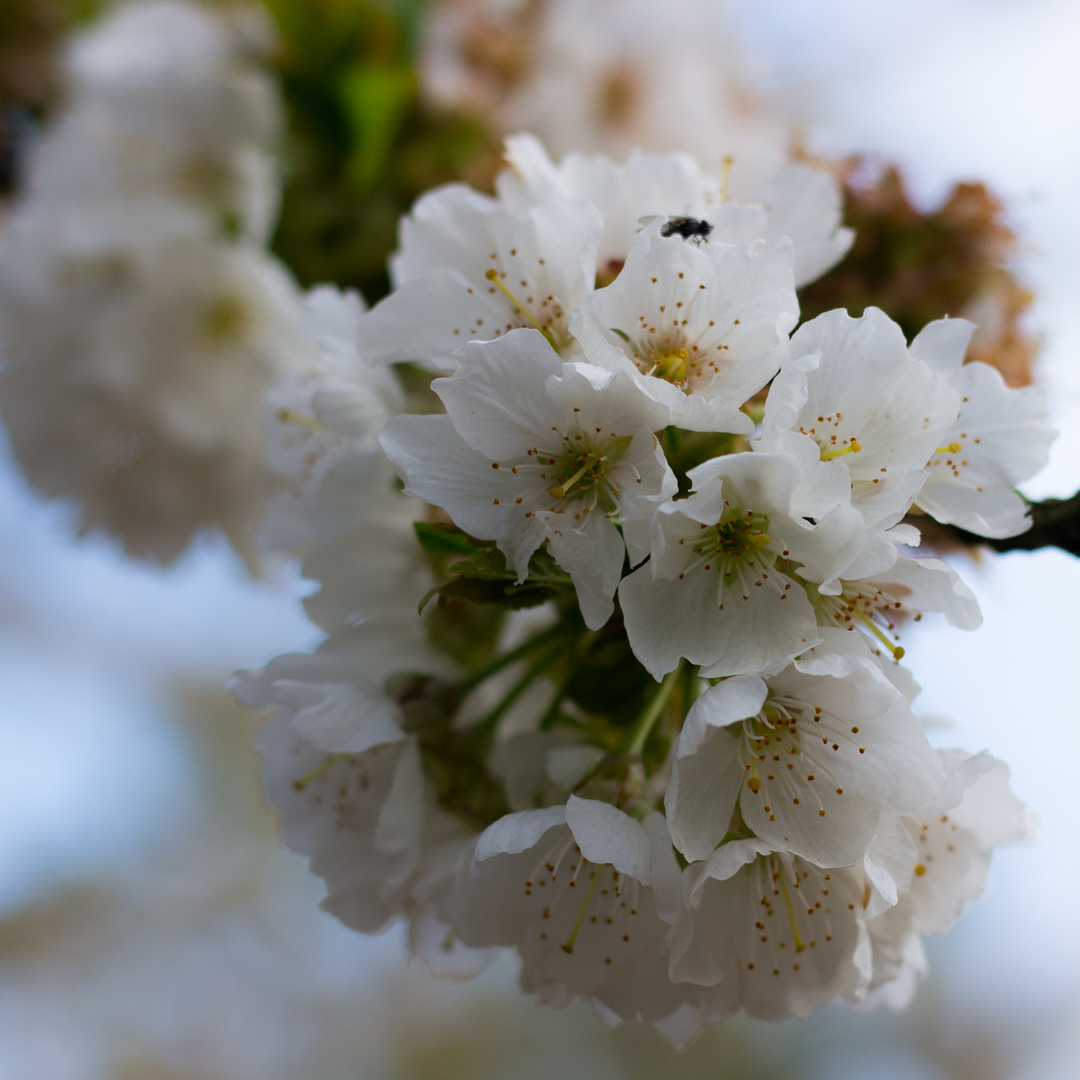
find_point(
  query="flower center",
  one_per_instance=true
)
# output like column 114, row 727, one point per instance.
column 226, row 321
column 577, row 472
column 588, row 472
column 871, row 612
column 674, row 360
column 738, row 535
column 549, row 319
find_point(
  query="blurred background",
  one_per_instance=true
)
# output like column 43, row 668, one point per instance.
column 151, row 925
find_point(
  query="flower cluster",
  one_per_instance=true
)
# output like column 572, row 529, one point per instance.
column 604, row 74
column 650, row 728
column 141, row 318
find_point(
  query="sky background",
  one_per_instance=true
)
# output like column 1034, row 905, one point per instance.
column 97, row 780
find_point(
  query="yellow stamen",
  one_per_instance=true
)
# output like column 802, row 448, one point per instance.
column 493, row 276
column 951, row 448
column 725, row 175
column 760, row 539
column 287, row 416
column 852, row 448
column 568, row 945
column 799, row 943
column 896, row 650
column 320, row 770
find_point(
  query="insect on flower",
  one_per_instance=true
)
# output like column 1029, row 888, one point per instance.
column 687, row 227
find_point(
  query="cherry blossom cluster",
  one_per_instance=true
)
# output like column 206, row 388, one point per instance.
column 601, row 74
column 141, row 318
column 649, row 727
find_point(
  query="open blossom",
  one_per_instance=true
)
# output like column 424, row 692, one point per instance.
column 699, row 329
column 145, row 408
column 871, row 407
column 718, row 589
column 603, row 74
column 586, row 894
column 952, row 838
column 164, row 106
column 346, row 774
column 469, row 269
column 812, row 757
column 771, row 934
column 534, row 450
column 321, row 425
column 873, row 605
column 798, row 204
column 999, row 439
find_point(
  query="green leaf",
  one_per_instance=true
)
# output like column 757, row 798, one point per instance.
column 489, row 564
column 487, row 591
column 376, row 96
column 439, row 538
column 485, row 579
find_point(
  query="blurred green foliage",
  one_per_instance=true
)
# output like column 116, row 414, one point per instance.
column 362, row 145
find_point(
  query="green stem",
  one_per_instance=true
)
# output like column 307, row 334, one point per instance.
column 491, row 721
column 692, row 688
column 496, row 665
column 547, row 721
column 646, row 721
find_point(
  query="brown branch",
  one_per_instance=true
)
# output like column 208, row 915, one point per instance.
column 1054, row 523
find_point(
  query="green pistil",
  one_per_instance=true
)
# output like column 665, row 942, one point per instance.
column 592, row 463
column 568, row 945
column 732, row 535
column 673, row 366
column 290, row 416
column 800, row 945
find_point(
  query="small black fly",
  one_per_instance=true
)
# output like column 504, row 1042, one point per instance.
column 687, row 227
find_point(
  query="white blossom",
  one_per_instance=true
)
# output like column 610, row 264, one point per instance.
column 469, row 269
column 604, row 74
column 871, row 407
column 953, row 838
column 163, row 106
column 797, row 204
column 812, row 757
column 875, row 604
column 534, row 450
column 142, row 402
column 719, row 588
column 322, row 424
column 347, row 777
column 999, row 440
column 771, row 934
column 586, row 894
column 140, row 321
column 699, row 329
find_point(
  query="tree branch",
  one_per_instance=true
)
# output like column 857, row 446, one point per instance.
column 1054, row 523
